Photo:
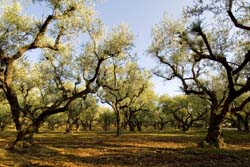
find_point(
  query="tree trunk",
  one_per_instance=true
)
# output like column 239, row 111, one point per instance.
column 24, row 138
column 155, row 125
column 139, row 125
column 15, row 109
column 131, row 126
column 162, row 126
column 239, row 121
column 90, row 125
column 68, row 128
column 184, row 128
column 105, row 127
column 131, row 122
column 69, row 124
column 214, row 136
column 246, row 125
column 77, row 125
column 118, row 126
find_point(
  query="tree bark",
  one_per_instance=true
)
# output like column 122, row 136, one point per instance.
column 131, row 126
column 69, row 123
column 185, row 128
column 90, row 125
column 24, row 137
column 78, row 125
column 131, row 122
column 240, row 120
column 14, row 105
column 214, row 136
column 246, row 124
column 139, row 125
column 118, row 126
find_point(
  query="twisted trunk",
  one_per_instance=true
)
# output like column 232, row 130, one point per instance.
column 214, row 135
column 24, row 138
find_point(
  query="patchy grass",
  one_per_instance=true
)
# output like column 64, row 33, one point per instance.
column 94, row 149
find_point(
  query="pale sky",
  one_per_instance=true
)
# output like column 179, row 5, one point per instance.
column 141, row 16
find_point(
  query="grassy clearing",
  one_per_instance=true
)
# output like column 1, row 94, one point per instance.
column 92, row 149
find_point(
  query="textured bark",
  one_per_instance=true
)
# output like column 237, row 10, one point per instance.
column 24, row 137
column 118, row 124
column 214, row 135
column 12, row 96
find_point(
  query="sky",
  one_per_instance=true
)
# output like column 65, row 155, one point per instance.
column 141, row 16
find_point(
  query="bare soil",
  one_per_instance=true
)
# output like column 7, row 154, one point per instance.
column 102, row 149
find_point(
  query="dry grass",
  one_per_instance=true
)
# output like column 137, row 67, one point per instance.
column 93, row 149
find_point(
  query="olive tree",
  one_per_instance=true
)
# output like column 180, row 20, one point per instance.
column 106, row 118
column 124, row 83
column 185, row 110
column 208, row 51
column 240, row 119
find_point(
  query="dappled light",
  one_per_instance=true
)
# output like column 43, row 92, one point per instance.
column 141, row 149
column 81, row 83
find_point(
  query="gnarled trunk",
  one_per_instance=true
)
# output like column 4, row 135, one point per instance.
column 24, row 138
column 214, row 135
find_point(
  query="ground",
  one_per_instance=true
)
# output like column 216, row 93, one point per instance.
column 168, row 148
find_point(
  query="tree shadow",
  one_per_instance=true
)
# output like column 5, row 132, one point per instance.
column 81, row 149
column 143, row 157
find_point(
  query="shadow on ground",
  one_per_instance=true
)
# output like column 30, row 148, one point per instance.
column 99, row 149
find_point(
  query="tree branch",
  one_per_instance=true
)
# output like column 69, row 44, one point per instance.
column 233, row 18
column 241, row 107
column 243, row 64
